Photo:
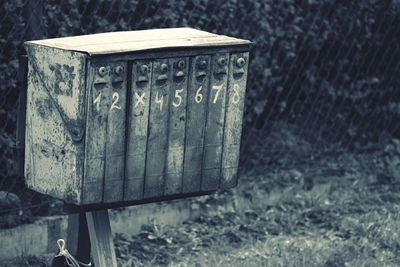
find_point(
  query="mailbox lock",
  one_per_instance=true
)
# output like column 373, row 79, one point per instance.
column 240, row 62
column 102, row 71
column 222, row 61
column 202, row 65
column 164, row 68
column 144, row 69
column 181, row 64
column 119, row 70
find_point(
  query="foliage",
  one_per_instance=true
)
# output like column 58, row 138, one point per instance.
column 327, row 66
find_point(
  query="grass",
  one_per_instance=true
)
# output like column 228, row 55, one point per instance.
column 330, row 211
column 346, row 218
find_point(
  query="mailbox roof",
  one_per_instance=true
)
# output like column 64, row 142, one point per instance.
column 129, row 41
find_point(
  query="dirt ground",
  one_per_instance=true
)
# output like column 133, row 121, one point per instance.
column 315, row 209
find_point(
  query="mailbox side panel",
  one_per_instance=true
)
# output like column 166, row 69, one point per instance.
column 212, row 155
column 198, row 90
column 233, row 118
column 54, row 153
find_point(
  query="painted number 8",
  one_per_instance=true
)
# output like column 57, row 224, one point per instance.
column 236, row 97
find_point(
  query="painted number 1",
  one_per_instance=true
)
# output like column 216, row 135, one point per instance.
column 97, row 101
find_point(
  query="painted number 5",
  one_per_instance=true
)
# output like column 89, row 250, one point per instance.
column 178, row 97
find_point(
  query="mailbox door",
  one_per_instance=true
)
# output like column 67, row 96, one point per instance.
column 215, row 123
column 137, row 129
column 157, row 140
column 176, row 126
column 199, row 87
column 97, row 108
column 233, row 118
column 115, row 141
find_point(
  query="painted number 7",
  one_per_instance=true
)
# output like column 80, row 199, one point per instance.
column 217, row 89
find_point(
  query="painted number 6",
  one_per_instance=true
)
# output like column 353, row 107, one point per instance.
column 199, row 97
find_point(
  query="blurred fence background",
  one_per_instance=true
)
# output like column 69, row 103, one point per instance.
column 323, row 78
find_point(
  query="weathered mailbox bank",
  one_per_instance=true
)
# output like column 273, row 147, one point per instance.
column 136, row 116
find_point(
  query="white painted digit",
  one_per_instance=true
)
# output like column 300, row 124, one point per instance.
column 179, row 97
column 115, row 98
column 159, row 100
column 139, row 99
column 97, row 101
column 199, row 96
column 235, row 98
column 217, row 88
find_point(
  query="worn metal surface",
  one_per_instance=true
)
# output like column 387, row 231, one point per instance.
column 137, row 120
column 55, row 122
column 198, row 90
column 233, row 118
column 215, row 122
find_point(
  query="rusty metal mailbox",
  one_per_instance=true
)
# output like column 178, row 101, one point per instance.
column 132, row 117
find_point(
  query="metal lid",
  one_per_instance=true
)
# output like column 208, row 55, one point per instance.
column 129, row 41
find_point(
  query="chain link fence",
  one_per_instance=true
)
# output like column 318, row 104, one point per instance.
column 323, row 76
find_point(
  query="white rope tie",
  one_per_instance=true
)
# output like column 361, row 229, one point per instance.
column 71, row 261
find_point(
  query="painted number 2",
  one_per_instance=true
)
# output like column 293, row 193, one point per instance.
column 115, row 98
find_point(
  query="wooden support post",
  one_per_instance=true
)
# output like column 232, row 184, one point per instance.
column 101, row 239
column 78, row 241
column 21, row 117
column 90, row 233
